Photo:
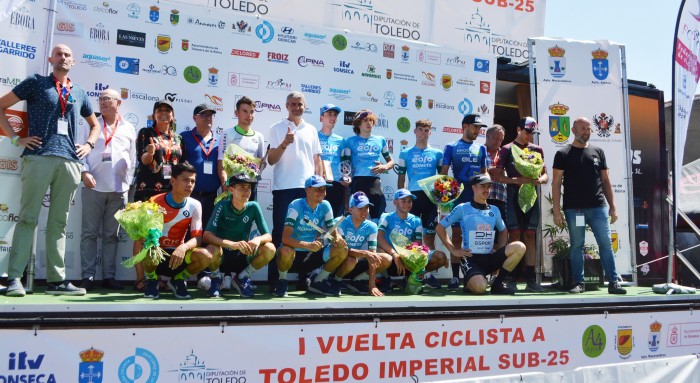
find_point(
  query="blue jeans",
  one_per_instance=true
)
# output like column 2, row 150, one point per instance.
column 597, row 219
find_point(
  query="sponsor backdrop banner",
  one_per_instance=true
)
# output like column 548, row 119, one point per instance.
column 584, row 79
column 191, row 55
column 418, row 351
column 22, row 52
column 499, row 27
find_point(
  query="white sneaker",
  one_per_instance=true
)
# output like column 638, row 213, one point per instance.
column 226, row 285
column 15, row 289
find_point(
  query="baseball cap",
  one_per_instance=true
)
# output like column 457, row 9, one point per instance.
column 316, row 181
column 480, row 179
column 529, row 124
column 241, row 178
column 359, row 199
column 201, row 108
column 162, row 102
column 401, row 193
column 328, row 107
column 473, row 119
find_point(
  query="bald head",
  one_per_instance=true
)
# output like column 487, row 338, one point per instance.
column 110, row 100
column 582, row 131
column 61, row 59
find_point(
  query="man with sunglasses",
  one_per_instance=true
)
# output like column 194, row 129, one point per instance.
column 521, row 226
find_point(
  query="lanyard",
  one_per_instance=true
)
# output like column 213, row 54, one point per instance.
column 63, row 95
column 168, row 149
column 204, row 149
column 104, row 130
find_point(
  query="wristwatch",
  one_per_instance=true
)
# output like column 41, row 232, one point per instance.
column 92, row 146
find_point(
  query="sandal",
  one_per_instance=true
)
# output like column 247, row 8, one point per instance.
column 140, row 285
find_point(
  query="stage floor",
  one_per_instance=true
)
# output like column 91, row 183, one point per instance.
column 104, row 307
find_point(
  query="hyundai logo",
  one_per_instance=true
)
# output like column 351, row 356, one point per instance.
column 287, row 30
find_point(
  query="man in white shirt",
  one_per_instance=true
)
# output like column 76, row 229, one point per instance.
column 295, row 153
column 106, row 179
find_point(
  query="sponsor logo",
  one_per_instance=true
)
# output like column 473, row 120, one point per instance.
column 367, row 47
column 389, row 98
column 343, row 67
column 388, row 50
column 442, row 105
column 348, row 117
column 105, row 8
column 90, row 369
column 419, row 102
column 314, row 38
column 371, row 72
column 304, row 61
column 10, row 81
column 403, row 100
column 261, row 106
column 99, row 87
column 405, row 55
column 279, row 84
column 24, row 367
column 16, row 120
column 202, row 48
column 456, row 61
column 153, row 14
column 211, row 24
column 624, row 341
column 192, row 74
column 138, row 95
column 243, row 53
column 428, row 79
column 465, row 107
column 449, row 129
column 428, row 57
column 21, row 19
column 286, row 35
column 131, row 38
column 192, row 366
column 559, row 123
column 369, row 98
column 132, row 118
column 242, row 6
column 185, row 46
column 244, row 80
column 67, row 27
column 339, row 94
column 339, row 42
column 13, row 48
column 643, row 248
column 485, row 87
column 128, row 65
column 241, row 26
column 174, row 16
column 600, row 64
column 99, row 33
column 213, row 76
column 557, row 61
column 403, row 124
column 164, row 43
column 74, row 5
column 481, row 65
column 483, row 109
column 215, row 101
column 134, row 10
column 172, row 97
column 464, row 82
column 308, row 88
column 265, row 32
column 95, row 61
column 603, row 123
column 654, row 336
column 400, row 76
column 9, row 166
column 281, row 58
column 446, row 81
column 143, row 365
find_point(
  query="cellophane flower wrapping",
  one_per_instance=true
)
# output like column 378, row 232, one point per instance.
column 237, row 160
column 143, row 220
column 529, row 164
column 415, row 257
column 442, row 190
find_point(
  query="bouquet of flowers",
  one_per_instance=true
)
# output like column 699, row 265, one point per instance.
column 414, row 256
column 143, row 220
column 237, row 160
column 442, row 191
column 528, row 164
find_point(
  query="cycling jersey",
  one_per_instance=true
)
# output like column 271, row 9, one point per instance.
column 478, row 226
column 363, row 152
column 226, row 223
column 177, row 220
column 330, row 151
column 361, row 238
column 299, row 210
column 410, row 227
column 419, row 164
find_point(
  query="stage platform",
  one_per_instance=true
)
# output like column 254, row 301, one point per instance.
column 104, row 308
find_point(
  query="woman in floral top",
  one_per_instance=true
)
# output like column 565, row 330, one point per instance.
column 158, row 149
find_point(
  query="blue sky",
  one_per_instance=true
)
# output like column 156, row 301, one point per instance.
column 645, row 27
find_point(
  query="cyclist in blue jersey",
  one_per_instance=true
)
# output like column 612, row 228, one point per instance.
column 363, row 261
column 331, row 145
column 408, row 225
column 419, row 162
column 364, row 151
column 479, row 253
column 467, row 159
column 299, row 237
